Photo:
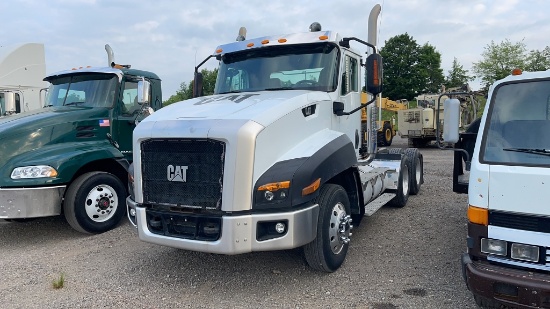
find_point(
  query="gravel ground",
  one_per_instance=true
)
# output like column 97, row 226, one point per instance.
column 399, row 258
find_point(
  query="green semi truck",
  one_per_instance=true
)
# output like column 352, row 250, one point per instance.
column 71, row 157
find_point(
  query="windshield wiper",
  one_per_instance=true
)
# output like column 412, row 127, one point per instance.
column 544, row 152
column 74, row 103
column 279, row 88
column 232, row 91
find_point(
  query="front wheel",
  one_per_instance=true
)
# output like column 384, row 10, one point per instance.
column 328, row 250
column 94, row 202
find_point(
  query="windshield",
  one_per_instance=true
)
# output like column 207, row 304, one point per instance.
column 311, row 67
column 90, row 90
column 518, row 125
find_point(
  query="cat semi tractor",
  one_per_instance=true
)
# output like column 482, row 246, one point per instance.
column 508, row 243
column 71, row 156
column 22, row 70
column 274, row 159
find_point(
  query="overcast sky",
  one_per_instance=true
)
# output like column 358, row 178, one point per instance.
column 170, row 37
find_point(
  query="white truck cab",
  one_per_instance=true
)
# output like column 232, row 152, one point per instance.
column 508, row 256
column 275, row 159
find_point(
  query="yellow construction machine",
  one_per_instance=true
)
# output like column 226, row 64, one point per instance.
column 386, row 128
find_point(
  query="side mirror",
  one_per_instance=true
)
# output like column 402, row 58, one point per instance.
column 143, row 113
column 197, row 85
column 451, row 119
column 374, row 71
column 143, row 91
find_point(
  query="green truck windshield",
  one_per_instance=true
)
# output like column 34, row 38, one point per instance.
column 91, row 90
column 311, row 67
column 518, row 125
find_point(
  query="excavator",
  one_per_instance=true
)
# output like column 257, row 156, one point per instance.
column 386, row 128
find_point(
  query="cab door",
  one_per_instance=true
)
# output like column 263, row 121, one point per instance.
column 125, row 115
column 349, row 94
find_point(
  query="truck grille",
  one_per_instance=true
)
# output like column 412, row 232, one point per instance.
column 183, row 172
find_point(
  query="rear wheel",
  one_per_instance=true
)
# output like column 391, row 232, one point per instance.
column 416, row 169
column 403, row 186
column 328, row 250
column 94, row 202
column 385, row 135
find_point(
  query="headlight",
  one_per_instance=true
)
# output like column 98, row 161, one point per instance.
column 36, row 171
column 493, row 246
column 525, row 252
column 273, row 192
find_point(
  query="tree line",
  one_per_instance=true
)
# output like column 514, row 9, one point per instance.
column 411, row 69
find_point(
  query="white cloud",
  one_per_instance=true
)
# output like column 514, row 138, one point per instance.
column 171, row 37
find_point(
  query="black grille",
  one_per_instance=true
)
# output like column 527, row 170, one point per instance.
column 520, row 222
column 187, row 173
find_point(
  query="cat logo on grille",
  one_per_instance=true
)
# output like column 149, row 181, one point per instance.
column 177, row 173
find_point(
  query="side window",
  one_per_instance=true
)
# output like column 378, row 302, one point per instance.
column 129, row 98
column 350, row 76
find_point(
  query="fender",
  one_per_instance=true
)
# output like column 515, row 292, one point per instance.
column 66, row 158
column 328, row 161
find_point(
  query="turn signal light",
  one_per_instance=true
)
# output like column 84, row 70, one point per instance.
column 312, row 187
column 274, row 186
column 478, row 215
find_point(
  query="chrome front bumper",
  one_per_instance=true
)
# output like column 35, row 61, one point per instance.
column 30, row 202
column 238, row 233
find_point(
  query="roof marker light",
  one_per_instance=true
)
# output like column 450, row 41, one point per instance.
column 516, row 71
column 265, row 42
column 249, row 44
column 219, row 50
column 323, row 37
column 282, row 41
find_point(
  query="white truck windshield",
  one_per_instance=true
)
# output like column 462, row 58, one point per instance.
column 91, row 90
column 311, row 67
column 518, row 125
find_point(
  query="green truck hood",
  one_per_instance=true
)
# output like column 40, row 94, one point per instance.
column 24, row 135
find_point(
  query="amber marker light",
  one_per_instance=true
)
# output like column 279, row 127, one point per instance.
column 219, row 50
column 265, row 42
column 274, row 186
column 249, row 44
column 312, row 187
column 516, row 72
column 478, row 215
column 375, row 77
column 282, row 40
column 323, row 37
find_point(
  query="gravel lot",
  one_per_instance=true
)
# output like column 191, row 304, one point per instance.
column 399, row 258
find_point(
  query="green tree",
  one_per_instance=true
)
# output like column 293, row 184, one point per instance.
column 429, row 69
column 499, row 60
column 410, row 69
column 186, row 89
column 458, row 76
column 538, row 60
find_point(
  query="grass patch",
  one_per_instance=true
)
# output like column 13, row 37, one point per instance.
column 59, row 282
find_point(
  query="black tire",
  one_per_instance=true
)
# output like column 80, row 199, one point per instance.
column 95, row 202
column 403, row 186
column 328, row 250
column 387, row 134
column 416, row 169
column 483, row 302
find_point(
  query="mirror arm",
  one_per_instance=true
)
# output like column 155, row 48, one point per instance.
column 342, row 113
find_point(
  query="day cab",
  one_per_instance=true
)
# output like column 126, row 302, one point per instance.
column 508, row 258
column 71, row 156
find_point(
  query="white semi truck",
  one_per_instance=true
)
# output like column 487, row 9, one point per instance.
column 275, row 159
column 22, row 69
column 508, row 242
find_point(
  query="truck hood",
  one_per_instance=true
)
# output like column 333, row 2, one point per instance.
column 37, row 129
column 263, row 107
